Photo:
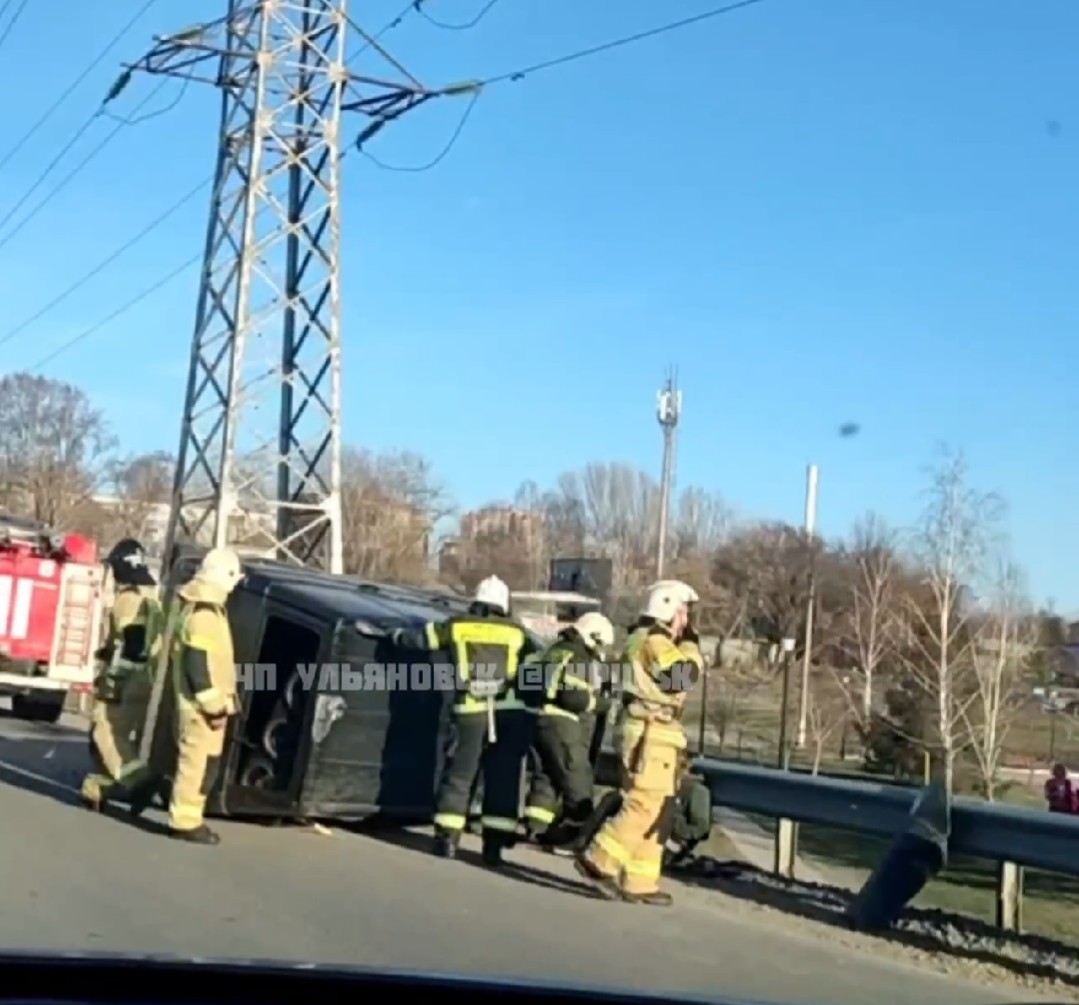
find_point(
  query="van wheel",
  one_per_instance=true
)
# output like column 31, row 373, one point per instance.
column 38, row 709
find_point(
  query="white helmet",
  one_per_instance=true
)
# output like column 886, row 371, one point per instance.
column 664, row 599
column 220, row 567
column 684, row 592
column 596, row 630
column 690, row 593
column 493, row 592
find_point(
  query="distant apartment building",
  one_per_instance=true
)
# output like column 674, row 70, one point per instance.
column 503, row 521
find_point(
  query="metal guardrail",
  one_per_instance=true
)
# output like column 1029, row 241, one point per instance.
column 1011, row 836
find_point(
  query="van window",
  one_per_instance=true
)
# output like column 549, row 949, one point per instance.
column 276, row 710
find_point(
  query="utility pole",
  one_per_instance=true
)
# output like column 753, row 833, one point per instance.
column 259, row 458
column 669, row 412
column 812, row 475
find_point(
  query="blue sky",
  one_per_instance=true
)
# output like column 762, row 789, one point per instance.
column 819, row 210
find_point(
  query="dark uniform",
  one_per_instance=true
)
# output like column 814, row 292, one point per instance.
column 492, row 727
column 560, row 755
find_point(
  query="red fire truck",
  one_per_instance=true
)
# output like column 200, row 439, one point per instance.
column 51, row 600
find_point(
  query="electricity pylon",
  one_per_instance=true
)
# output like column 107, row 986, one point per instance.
column 259, row 460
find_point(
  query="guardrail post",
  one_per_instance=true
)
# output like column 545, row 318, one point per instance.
column 785, row 844
column 1009, row 896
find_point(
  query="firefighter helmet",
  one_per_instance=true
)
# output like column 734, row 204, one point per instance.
column 127, row 561
column 220, row 567
column 494, row 593
column 596, row 630
column 664, row 600
column 692, row 596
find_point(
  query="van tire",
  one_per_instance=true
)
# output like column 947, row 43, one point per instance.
column 38, row 708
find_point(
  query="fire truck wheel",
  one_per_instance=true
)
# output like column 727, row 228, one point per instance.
column 47, row 708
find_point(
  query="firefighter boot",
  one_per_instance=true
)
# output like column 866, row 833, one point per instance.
column 446, row 842
column 142, row 797
column 606, row 886
column 198, row 835
column 658, row 898
column 494, row 844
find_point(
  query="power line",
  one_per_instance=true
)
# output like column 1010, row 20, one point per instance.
column 104, row 322
column 121, row 124
column 74, row 85
column 14, row 19
column 477, row 87
column 105, row 263
column 417, row 169
column 617, row 43
column 486, row 9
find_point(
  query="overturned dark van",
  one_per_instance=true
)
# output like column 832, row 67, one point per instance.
column 329, row 726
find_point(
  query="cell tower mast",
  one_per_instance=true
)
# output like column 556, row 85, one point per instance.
column 259, row 460
column 669, row 412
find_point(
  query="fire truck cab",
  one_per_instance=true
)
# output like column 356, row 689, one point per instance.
column 51, row 599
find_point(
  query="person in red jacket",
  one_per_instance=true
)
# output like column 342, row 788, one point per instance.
column 1060, row 792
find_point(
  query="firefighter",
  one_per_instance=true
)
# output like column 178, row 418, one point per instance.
column 625, row 858
column 123, row 682
column 565, row 720
column 492, row 727
column 203, row 674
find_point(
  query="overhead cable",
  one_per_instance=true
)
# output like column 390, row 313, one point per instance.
column 75, row 84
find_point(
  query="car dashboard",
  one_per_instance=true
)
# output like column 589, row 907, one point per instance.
column 76, row 979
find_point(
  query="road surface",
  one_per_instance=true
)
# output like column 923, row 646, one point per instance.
column 73, row 880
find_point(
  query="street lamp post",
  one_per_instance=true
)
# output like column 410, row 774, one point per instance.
column 812, row 477
column 782, row 760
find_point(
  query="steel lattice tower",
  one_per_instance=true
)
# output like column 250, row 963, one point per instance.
column 259, row 460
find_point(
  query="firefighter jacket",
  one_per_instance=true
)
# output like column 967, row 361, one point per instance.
column 569, row 678
column 131, row 641
column 659, row 676
column 201, row 661
column 487, row 652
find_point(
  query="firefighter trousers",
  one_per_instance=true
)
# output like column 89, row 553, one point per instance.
column 114, row 738
column 629, row 847
column 471, row 753
column 561, row 771
column 200, row 749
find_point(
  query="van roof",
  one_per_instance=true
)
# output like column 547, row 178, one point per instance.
column 349, row 598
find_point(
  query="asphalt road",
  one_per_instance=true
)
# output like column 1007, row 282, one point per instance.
column 72, row 880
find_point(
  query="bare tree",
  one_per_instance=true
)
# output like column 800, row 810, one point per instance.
column 53, row 445
column 873, row 610
column 1004, row 644
column 767, row 564
column 390, row 506
column 702, row 522
column 135, row 490
column 619, row 508
column 958, row 534
column 828, row 706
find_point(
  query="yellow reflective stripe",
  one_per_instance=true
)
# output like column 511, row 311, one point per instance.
column 451, row 821
column 558, row 674
column 614, row 849
column 210, row 700
column 644, row 868
column 203, row 642
column 475, row 706
column 578, row 682
column 431, row 636
column 556, row 711
column 506, row 824
column 539, row 814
